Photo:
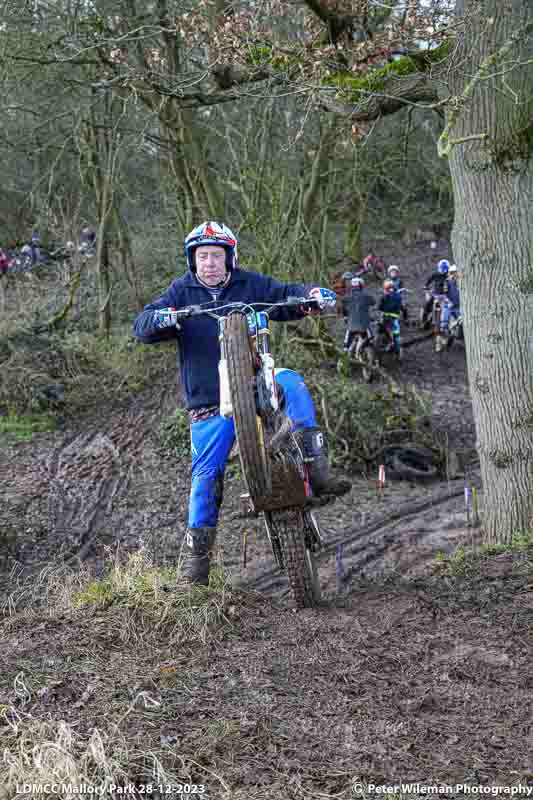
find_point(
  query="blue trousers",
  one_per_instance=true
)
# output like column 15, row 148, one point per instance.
column 448, row 310
column 213, row 438
column 393, row 326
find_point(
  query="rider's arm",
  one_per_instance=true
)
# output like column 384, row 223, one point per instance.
column 144, row 327
column 269, row 290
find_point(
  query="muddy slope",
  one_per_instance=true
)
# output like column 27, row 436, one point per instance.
column 103, row 483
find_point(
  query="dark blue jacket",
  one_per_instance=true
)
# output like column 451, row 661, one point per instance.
column 439, row 282
column 199, row 350
column 357, row 305
column 391, row 303
column 454, row 295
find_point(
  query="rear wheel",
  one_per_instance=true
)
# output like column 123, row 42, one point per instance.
column 289, row 529
column 248, row 425
column 367, row 358
column 439, row 338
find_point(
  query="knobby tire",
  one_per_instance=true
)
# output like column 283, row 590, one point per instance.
column 366, row 355
column 298, row 556
column 248, row 427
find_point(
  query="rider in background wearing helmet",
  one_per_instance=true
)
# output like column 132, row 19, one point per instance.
column 214, row 274
column 453, row 307
column 390, row 306
column 438, row 284
column 357, row 305
column 394, row 275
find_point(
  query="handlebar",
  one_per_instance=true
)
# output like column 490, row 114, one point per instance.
column 192, row 311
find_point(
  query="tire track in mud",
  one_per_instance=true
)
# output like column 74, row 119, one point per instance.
column 92, row 471
column 371, row 551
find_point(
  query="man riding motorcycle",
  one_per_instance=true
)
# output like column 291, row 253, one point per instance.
column 357, row 307
column 390, row 305
column 437, row 286
column 214, row 274
column 452, row 307
column 394, row 275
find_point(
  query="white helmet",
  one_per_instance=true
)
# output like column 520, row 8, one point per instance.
column 453, row 269
column 214, row 233
column 393, row 268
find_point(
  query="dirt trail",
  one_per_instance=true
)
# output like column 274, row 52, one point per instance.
column 74, row 493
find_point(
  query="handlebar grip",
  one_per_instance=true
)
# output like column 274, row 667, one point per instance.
column 188, row 311
column 300, row 301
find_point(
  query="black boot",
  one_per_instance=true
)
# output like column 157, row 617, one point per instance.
column 315, row 451
column 199, row 543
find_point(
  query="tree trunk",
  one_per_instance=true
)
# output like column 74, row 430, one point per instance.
column 493, row 246
column 104, row 285
column 356, row 211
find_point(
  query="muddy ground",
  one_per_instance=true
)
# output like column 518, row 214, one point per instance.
column 401, row 674
column 102, row 481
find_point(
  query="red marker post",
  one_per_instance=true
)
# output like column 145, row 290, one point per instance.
column 381, row 477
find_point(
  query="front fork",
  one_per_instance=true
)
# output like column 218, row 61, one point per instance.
column 265, row 382
column 267, row 390
column 226, row 406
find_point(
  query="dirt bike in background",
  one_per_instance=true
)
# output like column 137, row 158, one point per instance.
column 273, row 462
column 385, row 340
column 385, row 337
column 363, row 353
column 440, row 336
column 455, row 331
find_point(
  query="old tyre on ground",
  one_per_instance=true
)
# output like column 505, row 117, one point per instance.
column 248, row 426
column 404, row 462
column 287, row 527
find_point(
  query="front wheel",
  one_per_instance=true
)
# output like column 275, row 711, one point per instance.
column 256, row 465
column 366, row 355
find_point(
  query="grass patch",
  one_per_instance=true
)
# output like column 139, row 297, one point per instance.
column 149, row 600
column 23, row 427
column 40, row 752
column 137, row 600
column 464, row 560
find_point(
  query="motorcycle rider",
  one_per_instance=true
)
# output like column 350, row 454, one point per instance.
column 439, row 281
column 390, row 305
column 452, row 308
column 394, row 275
column 357, row 305
column 214, row 274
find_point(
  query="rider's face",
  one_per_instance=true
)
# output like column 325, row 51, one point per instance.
column 210, row 262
